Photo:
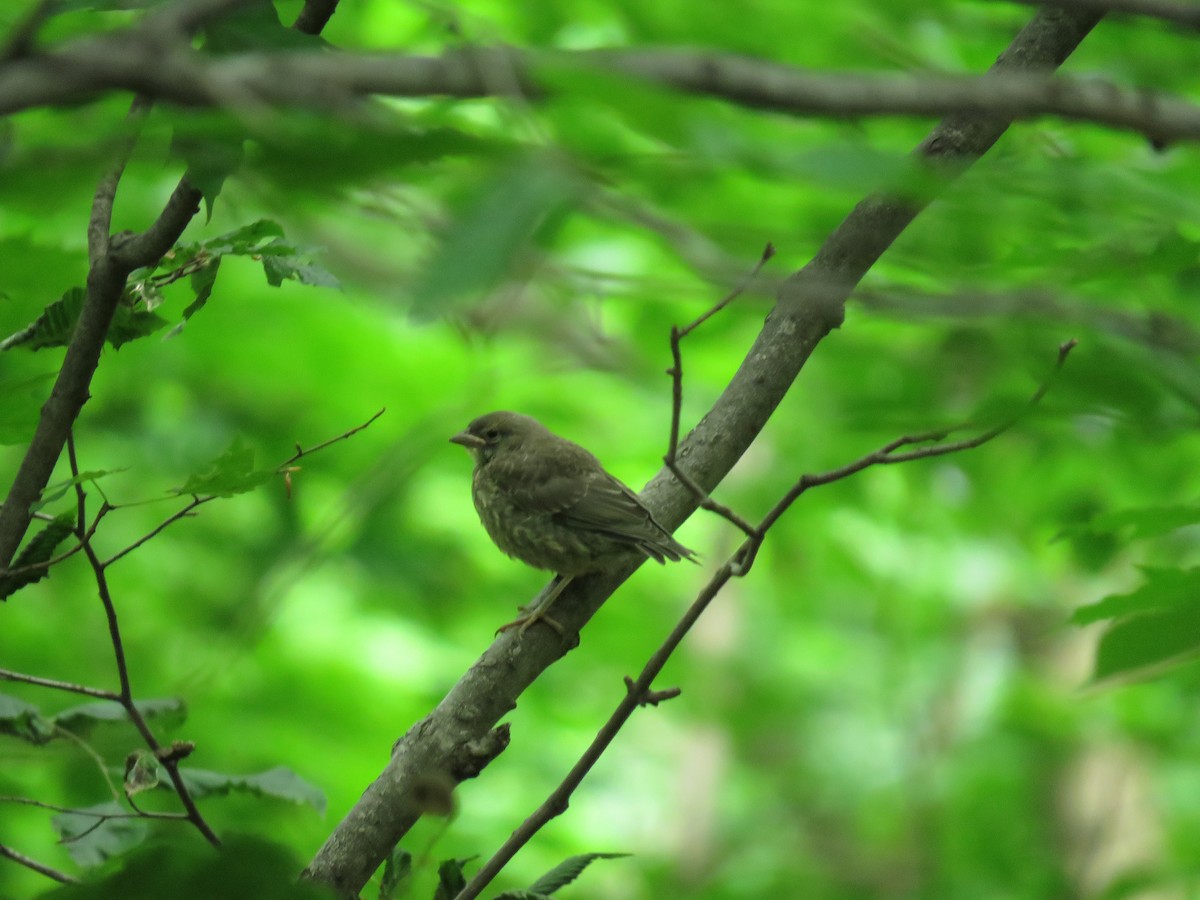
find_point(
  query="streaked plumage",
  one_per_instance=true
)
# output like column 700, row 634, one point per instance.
column 549, row 502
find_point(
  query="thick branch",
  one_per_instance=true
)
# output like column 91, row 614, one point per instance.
column 335, row 82
column 442, row 742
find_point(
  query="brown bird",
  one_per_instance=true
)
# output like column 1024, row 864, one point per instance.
column 549, row 503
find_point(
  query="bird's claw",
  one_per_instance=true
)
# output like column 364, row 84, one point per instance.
column 527, row 619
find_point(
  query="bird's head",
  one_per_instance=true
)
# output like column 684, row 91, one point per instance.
column 497, row 432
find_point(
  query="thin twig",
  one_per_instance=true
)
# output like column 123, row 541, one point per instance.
column 114, row 632
column 887, row 455
column 92, row 813
column 639, row 692
column 56, row 685
column 183, row 513
column 41, row 868
column 302, row 452
column 707, row 502
column 676, row 373
column 738, row 290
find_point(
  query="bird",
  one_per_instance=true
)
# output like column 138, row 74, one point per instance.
column 549, row 503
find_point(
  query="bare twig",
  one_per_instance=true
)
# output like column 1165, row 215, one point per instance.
column 125, row 697
column 41, row 868
column 309, row 451
column 154, row 532
column 676, row 373
column 639, row 693
column 56, row 685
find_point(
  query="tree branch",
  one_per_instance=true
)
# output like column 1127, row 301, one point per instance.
column 335, row 82
column 440, row 742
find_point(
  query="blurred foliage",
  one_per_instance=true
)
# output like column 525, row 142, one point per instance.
column 896, row 702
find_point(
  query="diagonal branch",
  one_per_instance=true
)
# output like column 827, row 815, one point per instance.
column 446, row 742
column 638, row 692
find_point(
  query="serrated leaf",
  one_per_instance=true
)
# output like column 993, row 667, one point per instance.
column 92, row 839
column 280, row 782
column 279, row 269
column 397, row 869
column 169, row 713
column 495, row 224
column 244, row 241
column 39, row 550
column 1162, row 589
column 53, row 327
column 451, row 879
column 231, row 473
column 1144, row 644
column 567, row 871
column 24, row 721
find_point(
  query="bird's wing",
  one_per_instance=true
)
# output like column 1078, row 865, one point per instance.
column 608, row 506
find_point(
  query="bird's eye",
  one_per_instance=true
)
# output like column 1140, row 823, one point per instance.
column 492, row 434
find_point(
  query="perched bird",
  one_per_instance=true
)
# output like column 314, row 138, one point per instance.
column 549, row 503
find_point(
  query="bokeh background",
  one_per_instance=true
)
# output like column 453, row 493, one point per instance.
column 894, row 704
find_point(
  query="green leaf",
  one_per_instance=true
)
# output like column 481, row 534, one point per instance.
column 210, row 160
column 53, row 327
column 397, row 869
column 280, row 782
column 1163, row 589
column 202, row 282
column 281, row 261
column 451, row 879
column 495, row 225
column 39, row 550
column 169, row 713
column 92, row 839
column 231, row 473
column 245, row 241
column 55, row 491
column 24, row 721
column 568, row 870
column 1141, row 645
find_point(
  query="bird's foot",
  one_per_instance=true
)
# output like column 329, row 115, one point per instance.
column 527, row 619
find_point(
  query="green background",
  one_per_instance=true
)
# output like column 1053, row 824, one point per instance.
column 895, row 703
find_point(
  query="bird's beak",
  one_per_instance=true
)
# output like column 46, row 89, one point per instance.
column 468, row 440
